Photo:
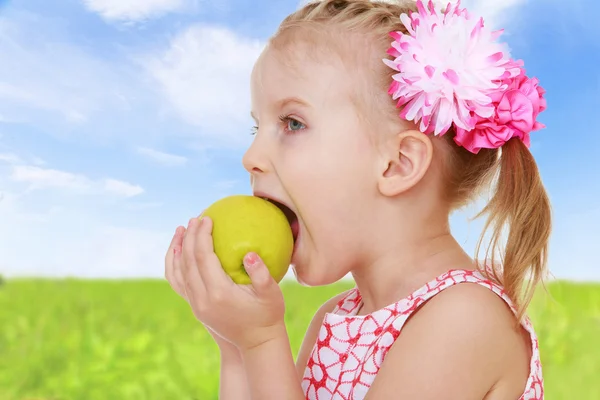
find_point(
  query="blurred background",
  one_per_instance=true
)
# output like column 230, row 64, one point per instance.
column 120, row 120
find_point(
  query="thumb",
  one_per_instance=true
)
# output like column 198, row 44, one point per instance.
column 259, row 274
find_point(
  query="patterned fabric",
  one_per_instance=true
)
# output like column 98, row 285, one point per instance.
column 350, row 349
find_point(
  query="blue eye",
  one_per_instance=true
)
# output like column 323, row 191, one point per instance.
column 292, row 124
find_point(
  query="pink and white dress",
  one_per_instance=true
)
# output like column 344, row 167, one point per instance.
column 350, row 349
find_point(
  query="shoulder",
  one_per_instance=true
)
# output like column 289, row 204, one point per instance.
column 313, row 330
column 461, row 344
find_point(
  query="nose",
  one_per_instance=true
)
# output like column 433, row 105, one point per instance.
column 255, row 159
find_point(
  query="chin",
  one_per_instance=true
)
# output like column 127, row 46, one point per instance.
column 314, row 275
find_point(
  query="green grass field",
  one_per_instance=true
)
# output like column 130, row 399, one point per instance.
column 107, row 340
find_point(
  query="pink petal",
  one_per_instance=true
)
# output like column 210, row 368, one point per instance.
column 429, row 70
column 407, row 22
column 496, row 34
column 426, row 120
column 393, row 52
column 477, row 29
column 494, row 58
column 428, row 102
column 394, row 86
column 413, row 107
column 396, row 35
column 421, row 9
column 448, row 10
column 457, row 10
column 390, row 63
column 452, row 76
column 416, row 22
column 431, row 8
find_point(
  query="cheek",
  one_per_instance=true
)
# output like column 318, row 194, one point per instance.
column 334, row 234
column 333, row 196
column 332, row 188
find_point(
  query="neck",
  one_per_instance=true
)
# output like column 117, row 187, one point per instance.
column 400, row 267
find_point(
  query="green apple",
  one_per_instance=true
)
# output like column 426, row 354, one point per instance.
column 243, row 224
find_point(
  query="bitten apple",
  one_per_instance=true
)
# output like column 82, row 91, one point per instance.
column 243, row 224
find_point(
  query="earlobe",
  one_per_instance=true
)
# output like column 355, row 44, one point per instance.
column 408, row 158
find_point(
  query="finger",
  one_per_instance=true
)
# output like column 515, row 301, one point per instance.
column 188, row 245
column 175, row 242
column 192, row 280
column 261, row 278
column 178, row 280
column 208, row 263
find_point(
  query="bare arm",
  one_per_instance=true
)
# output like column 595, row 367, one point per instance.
column 233, row 384
column 270, row 368
column 459, row 346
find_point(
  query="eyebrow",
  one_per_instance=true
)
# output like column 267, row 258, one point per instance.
column 286, row 101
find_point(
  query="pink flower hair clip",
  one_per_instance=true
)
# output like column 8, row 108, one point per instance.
column 452, row 72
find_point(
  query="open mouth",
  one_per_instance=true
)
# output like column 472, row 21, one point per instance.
column 289, row 214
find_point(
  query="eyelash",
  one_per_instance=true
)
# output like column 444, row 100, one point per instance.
column 284, row 118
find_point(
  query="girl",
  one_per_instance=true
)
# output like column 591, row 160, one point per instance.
column 371, row 156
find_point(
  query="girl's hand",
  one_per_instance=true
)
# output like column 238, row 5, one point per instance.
column 243, row 315
column 175, row 278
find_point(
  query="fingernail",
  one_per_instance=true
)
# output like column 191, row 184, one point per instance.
column 191, row 221
column 251, row 260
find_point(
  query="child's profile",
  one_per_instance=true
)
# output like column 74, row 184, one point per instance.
column 374, row 122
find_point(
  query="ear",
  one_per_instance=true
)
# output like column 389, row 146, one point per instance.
column 406, row 160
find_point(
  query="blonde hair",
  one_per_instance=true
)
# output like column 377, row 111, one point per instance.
column 519, row 202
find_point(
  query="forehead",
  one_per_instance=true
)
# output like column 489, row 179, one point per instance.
column 300, row 71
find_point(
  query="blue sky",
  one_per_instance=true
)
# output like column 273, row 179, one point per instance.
column 120, row 120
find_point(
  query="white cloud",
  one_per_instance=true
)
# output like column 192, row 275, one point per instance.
column 54, row 83
column 169, row 160
column 10, row 158
column 143, row 205
column 59, row 242
column 202, row 78
column 122, row 188
column 58, row 234
column 43, row 178
column 40, row 178
column 134, row 10
column 205, row 76
column 49, row 82
column 494, row 12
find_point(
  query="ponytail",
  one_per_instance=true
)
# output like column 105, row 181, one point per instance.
column 520, row 205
